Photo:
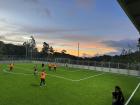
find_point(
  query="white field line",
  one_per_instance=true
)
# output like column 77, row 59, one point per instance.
column 70, row 71
column 15, row 73
column 138, row 77
column 78, row 79
column 127, row 102
column 32, row 74
column 61, row 70
column 90, row 77
column 73, row 70
column 57, row 76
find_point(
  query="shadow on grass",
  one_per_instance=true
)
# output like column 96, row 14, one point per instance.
column 35, row 85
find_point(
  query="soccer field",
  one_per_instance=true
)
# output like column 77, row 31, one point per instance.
column 66, row 86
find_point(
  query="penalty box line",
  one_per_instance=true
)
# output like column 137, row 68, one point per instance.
column 75, row 80
column 32, row 74
column 133, row 93
column 58, row 76
column 15, row 73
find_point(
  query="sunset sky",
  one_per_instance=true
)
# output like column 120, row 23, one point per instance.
column 100, row 26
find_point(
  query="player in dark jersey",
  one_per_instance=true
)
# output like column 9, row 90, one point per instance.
column 35, row 70
column 118, row 98
column 43, row 65
column 54, row 66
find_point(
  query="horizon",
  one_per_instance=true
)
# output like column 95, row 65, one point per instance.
column 100, row 27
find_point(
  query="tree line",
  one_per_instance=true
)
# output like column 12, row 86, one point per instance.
column 29, row 50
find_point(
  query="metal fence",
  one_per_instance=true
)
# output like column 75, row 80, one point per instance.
column 127, row 66
column 120, row 68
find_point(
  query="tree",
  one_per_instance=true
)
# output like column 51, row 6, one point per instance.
column 63, row 51
column 30, row 46
column 32, row 43
column 45, row 49
column 1, row 48
column 124, row 52
column 51, row 50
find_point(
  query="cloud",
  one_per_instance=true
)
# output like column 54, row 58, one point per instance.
column 32, row 1
column 43, row 30
column 25, row 8
column 13, row 38
column 113, row 53
column 78, row 37
column 86, row 55
column 4, row 20
column 48, row 12
column 86, row 4
column 2, row 37
column 119, row 45
column 87, row 47
column 44, row 10
column 7, row 26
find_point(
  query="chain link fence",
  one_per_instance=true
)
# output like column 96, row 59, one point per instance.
column 101, row 66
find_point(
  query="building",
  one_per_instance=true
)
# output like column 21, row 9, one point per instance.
column 132, row 10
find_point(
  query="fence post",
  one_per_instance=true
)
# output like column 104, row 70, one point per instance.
column 118, row 67
column 88, row 65
column 139, row 68
column 72, row 64
column 95, row 64
column 69, row 64
column 109, row 67
column 102, row 65
column 128, row 69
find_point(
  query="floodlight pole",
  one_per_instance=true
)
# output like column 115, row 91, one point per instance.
column 31, row 53
column 78, row 49
column 26, row 49
column 78, row 54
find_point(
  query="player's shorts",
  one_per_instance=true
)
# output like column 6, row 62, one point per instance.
column 35, row 72
column 11, row 68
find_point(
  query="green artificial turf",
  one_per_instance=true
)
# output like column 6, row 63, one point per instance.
column 66, row 86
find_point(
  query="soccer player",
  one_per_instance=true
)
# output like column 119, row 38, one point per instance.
column 43, row 66
column 54, row 66
column 11, row 66
column 118, row 98
column 66, row 65
column 49, row 67
column 35, row 70
column 42, row 77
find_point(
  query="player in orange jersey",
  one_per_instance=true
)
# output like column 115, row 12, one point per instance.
column 11, row 66
column 42, row 78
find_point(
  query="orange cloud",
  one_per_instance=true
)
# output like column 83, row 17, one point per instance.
column 87, row 49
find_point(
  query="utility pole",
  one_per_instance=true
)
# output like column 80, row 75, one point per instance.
column 78, row 49
column 26, row 50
